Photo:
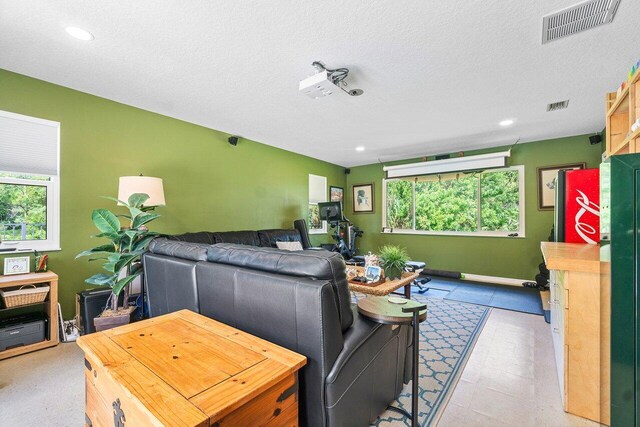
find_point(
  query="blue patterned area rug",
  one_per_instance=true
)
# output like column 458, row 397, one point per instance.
column 447, row 338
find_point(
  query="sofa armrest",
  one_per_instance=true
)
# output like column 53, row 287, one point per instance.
column 369, row 369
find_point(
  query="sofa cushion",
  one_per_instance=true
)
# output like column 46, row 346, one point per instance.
column 269, row 238
column 197, row 237
column 321, row 265
column 248, row 237
column 179, row 249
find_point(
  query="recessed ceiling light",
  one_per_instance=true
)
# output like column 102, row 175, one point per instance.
column 79, row 33
column 360, row 148
column 507, row 122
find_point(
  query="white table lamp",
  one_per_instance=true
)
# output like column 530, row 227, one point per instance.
column 142, row 184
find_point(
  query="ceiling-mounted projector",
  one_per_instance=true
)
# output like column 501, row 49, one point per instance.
column 326, row 81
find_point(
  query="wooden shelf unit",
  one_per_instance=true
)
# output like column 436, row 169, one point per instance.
column 622, row 112
column 580, row 323
column 50, row 308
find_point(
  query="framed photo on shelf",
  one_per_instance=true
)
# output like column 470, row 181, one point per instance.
column 336, row 194
column 547, row 184
column 17, row 265
column 362, row 198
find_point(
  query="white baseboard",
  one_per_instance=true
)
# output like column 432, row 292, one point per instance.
column 494, row 280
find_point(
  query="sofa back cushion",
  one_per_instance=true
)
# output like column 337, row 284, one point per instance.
column 269, row 238
column 179, row 249
column 197, row 237
column 249, row 237
column 321, row 265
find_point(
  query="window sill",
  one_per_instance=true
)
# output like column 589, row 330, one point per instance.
column 27, row 250
column 454, row 234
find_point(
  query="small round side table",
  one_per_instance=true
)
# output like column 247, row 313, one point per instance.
column 379, row 309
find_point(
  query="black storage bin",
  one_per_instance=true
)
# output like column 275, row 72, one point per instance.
column 21, row 330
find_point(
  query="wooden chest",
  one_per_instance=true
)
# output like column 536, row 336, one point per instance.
column 184, row 369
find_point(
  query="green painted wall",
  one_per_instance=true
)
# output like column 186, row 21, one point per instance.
column 209, row 185
column 493, row 256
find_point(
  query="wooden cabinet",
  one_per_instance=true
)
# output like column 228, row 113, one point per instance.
column 188, row 370
column 580, row 328
column 49, row 307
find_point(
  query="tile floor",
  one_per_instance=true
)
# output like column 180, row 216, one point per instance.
column 510, row 378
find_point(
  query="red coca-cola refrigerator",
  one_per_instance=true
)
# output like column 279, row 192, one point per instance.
column 577, row 210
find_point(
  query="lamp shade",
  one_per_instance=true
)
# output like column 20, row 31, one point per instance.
column 142, row 184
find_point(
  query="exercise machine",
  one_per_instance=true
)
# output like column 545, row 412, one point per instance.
column 345, row 233
column 421, row 281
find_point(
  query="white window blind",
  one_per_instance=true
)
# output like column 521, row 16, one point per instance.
column 28, row 144
column 317, row 189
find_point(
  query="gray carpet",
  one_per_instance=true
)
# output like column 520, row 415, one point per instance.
column 44, row 388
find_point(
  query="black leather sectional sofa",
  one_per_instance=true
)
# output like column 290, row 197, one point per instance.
column 299, row 300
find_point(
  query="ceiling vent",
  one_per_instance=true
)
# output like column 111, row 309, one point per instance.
column 555, row 106
column 581, row 17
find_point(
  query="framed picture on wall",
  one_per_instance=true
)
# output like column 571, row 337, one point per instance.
column 547, row 184
column 336, row 194
column 362, row 198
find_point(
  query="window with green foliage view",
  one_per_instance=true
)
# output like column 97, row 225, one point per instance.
column 27, row 211
column 23, row 208
column 484, row 203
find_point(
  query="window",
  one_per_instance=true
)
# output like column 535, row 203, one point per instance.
column 489, row 203
column 317, row 194
column 29, row 184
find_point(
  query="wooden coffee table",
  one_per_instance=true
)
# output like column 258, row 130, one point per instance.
column 386, row 287
column 186, row 369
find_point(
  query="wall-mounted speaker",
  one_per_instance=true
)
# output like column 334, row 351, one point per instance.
column 595, row 139
column 233, row 140
column 347, row 171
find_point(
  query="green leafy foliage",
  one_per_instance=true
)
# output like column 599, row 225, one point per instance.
column 487, row 201
column 126, row 244
column 400, row 204
column 447, row 205
column 500, row 201
column 23, row 204
column 393, row 259
column 105, row 221
column 136, row 200
column 313, row 217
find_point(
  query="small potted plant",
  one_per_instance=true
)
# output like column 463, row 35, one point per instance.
column 393, row 260
column 121, row 255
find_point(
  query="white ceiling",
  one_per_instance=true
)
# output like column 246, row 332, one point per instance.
column 438, row 75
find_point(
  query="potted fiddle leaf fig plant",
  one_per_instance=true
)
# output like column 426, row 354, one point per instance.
column 120, row 256
column 393, row 259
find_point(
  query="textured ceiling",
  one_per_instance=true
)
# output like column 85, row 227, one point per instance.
column 438, row 76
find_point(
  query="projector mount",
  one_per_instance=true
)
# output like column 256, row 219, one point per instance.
column 337, row 77
column 324, row 82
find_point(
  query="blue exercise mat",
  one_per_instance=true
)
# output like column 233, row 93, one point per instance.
column 526, row 300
